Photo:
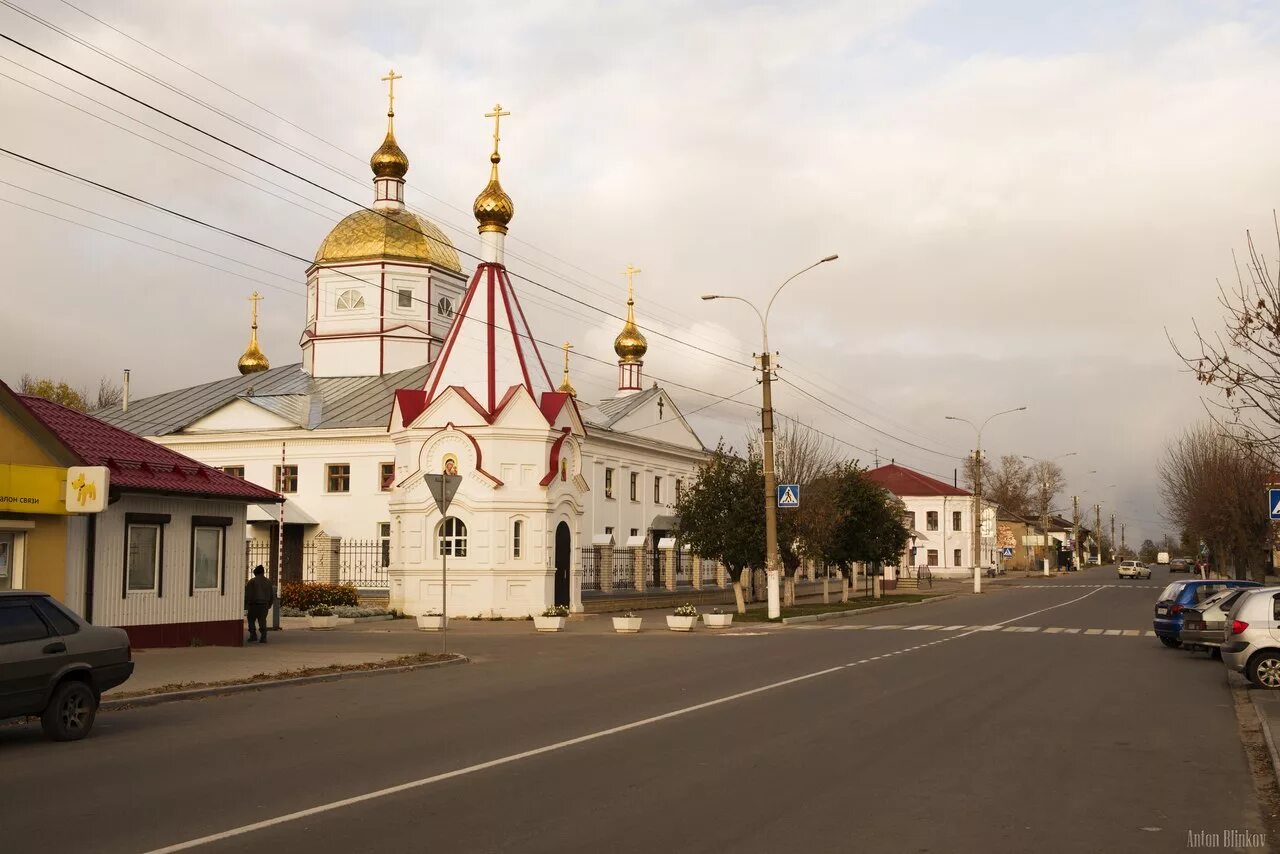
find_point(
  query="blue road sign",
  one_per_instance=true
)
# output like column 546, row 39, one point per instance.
column 1273, row 502
column 789, row 496
column 1007, row 551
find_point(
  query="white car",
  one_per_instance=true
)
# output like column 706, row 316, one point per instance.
column 1134, row 569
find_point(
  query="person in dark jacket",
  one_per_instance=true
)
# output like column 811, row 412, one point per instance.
column 258, row 597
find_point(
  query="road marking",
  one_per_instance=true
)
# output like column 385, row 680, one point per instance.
column 874, row 628
column 1053, row 630
column 1149, row 634
column 1112, row 632
column 1093, row 631
column 1132, row 633
column 952, row 628
column 1071, row 631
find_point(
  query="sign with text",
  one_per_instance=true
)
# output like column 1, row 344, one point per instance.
column 788, row 496
column 33, row 489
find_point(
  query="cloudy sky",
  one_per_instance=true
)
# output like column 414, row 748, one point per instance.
column 1024, row 196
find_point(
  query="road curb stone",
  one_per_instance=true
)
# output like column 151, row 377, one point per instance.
column 833, row 615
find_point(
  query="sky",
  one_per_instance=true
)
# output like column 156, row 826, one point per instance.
column 1027, row 198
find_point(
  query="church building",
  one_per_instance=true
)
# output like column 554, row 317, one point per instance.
column 409, row 368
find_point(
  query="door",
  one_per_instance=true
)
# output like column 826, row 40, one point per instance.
column 564, row 545
column 29, row 656
column 8, row 562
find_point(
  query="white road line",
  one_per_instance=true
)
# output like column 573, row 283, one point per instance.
column 1131, row 633
column 1053, row 630
column 1149, row 634
column 1093, row 631
column 1112, row 632
column 952, row 628
column 1071, row 631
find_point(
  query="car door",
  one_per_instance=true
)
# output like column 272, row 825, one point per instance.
column 29, row 656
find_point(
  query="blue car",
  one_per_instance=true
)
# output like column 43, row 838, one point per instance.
column 1181, row 595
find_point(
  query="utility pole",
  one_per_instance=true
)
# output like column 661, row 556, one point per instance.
column 1075, row 529
column 1044, row 521
column 977, row 517
column 1097, row 531
column 1122, row 535
column 1113, row 535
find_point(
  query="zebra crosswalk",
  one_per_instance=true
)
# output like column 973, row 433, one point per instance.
column 1046, row 630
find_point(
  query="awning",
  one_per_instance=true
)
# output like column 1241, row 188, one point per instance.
column 664, row 523
column 916, row 535
column 270, row 513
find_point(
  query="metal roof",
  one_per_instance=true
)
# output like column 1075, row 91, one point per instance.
column 614, row 409
column 287, row 391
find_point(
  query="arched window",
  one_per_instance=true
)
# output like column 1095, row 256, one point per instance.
column 452, row 537
column 517, row 538
column 350, row 300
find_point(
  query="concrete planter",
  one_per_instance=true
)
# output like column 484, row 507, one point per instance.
column 430, row 622
column 717, row 621
column 549, row 624
column 626, row 625
column 322, row 623
column 681, row 624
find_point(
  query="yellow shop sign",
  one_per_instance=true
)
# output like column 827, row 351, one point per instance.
column 33, row 489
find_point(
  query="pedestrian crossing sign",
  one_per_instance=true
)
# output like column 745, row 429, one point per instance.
column 1007, row 551
column 788, row 496
column 1273, row 501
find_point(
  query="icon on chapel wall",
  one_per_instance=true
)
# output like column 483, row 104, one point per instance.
column 451, row 465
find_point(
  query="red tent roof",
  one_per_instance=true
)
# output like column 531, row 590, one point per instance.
column 138, row 465
column 903, row 481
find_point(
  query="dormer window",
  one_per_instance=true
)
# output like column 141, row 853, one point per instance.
column 350, row 300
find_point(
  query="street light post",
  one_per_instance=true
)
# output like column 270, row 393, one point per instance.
column 773, row 563
column 977, row 493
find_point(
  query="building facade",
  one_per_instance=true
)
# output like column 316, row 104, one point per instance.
column 941, row 519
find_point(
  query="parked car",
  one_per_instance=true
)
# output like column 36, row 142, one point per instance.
column 1202, row 625
column 1134, row 569
column 1179, row 564
column 1094, row 560
column 1251, row 637
column 55, row 665
column 1179, row 596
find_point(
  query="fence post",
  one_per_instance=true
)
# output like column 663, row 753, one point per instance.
column 639, row 570
column 667, row 545
column 722, row 576
column 695, row 571
column 603, row 554
column 328, row 558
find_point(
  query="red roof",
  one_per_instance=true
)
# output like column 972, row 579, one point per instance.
column 137, row 464
column 903, row 481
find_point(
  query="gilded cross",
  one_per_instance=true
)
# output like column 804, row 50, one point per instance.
column 566, row 347
column 253, row 301
column 630, row 272
column 390, row 80
column 496, row 115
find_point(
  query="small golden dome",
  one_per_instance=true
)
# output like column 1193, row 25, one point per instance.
column 253, row 359
column 494, row 208
column 393, row 234
column 630, row 344
column 389, row 161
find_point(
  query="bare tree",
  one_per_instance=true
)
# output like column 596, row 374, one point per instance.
column 1212, row 483
column 1009, row 485
column 1242, row 360
column 110, row 394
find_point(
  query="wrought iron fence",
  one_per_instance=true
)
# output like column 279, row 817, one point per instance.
column 362, row 563
column 596, row 576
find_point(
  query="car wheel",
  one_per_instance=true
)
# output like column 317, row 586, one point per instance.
column 71, row 711
column 1172, row 643
column 1264, row 670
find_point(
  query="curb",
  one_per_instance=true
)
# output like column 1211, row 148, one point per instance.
column 1266, row 734
column 241, row 687
column 853, row 612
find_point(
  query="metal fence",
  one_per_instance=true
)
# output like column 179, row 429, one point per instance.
column 596, row 575
column 362, row 563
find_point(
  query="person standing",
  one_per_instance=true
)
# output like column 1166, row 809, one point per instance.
column 258, row 596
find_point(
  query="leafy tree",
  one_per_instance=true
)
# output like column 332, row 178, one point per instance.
column 871, row 527
column 721, row 514
column 58, row 392
column 1148, row 551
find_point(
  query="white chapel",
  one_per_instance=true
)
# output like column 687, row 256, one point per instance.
column 410, row 368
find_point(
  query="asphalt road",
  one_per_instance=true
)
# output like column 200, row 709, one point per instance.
column 953, row 737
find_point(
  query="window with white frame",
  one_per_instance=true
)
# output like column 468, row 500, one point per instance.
column 657, row 490
column 931, row 557
column 956, row 520
column 384, row 543
column 142, row 557
column 911, row 520
column 444, row 307
column 955, row 558
column 350, row 300
column 517, row 539
column 608, row 483
column 386, row 476
column 208, row 549
column 452, row 539
column 404, row 298
column 931, row 520
column 635, row 486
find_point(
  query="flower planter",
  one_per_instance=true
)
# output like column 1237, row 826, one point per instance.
column 626, row 625
column 549, row 624
column 321, row 624
column 681, row 624
column 717, row 621
column 430, row 622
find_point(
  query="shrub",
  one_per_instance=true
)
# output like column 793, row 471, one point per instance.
column 686, row 610
column 321, row 611
column 556, row 611
column 305, row 595
column 347, row 611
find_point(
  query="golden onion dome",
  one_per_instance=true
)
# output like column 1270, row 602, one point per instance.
column 630, row 344
column 494, row 208
column 389, row 161
column 253, row 360
column 391, row 234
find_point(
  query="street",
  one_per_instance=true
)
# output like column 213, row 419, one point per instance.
column 1029, row 718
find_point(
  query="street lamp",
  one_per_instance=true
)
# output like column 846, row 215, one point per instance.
column 1044, row 491
column 977, row 492
column 772, row 562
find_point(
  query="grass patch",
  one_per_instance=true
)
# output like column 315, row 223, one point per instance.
column 761, row 615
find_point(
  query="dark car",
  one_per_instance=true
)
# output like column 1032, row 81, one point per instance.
column 55, row 665
column 1181, row 595
column 1179, row 564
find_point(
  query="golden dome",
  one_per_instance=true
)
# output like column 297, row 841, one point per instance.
column 392, row 234
column 389, row 161
column 253, row 359
column 494, row 208
column 630, row 344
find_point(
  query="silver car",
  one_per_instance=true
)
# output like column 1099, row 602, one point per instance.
column 1133, row 569
column 1251, row 636
column 1203, row 624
